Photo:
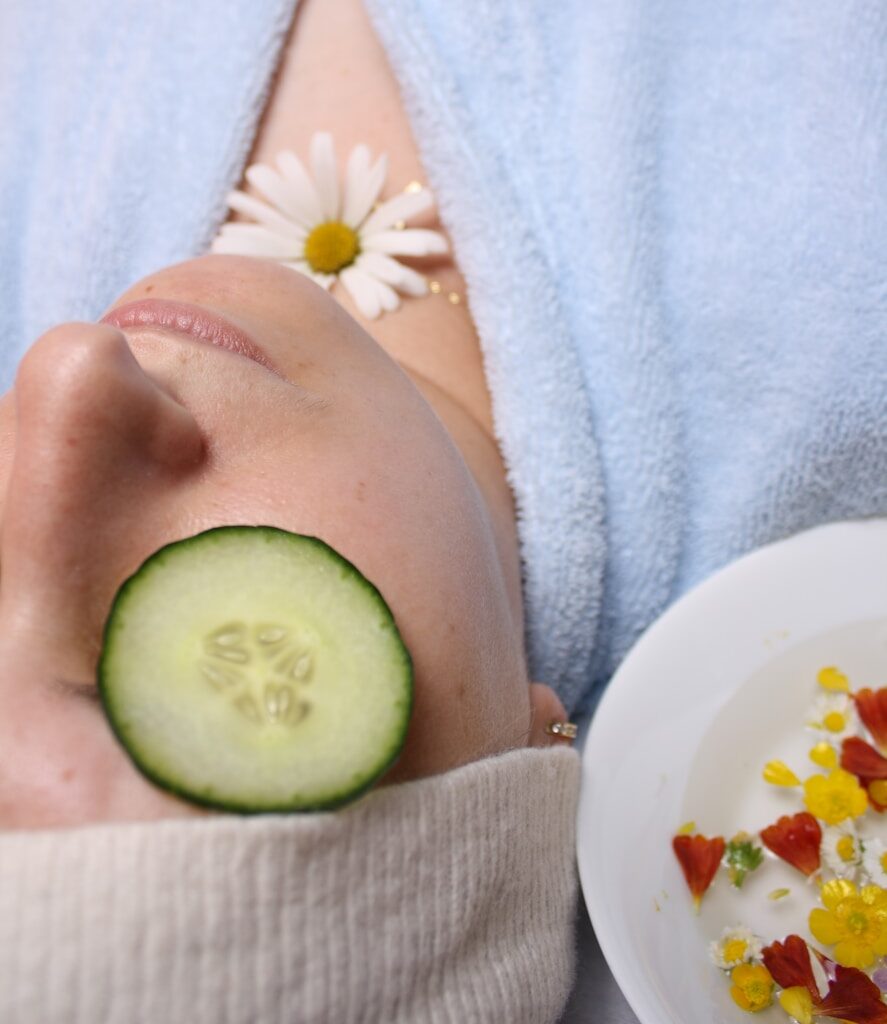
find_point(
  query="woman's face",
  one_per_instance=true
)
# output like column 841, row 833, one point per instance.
column 114, row 442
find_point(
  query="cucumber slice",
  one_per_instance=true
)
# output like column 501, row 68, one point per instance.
column 254, row 670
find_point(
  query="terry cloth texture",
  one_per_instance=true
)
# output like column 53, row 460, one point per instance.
column 447, row 900
column 670, row 217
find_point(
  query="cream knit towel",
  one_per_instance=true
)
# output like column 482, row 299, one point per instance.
column 449, row 899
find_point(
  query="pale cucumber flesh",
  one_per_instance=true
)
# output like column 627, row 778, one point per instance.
column 252, row 669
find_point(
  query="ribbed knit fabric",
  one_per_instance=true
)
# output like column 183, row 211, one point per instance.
column 449, row 899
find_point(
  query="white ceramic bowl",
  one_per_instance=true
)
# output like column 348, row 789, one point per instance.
column 718, row 686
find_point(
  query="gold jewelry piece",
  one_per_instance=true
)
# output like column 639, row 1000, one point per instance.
column 566, row 730
column 454, row 298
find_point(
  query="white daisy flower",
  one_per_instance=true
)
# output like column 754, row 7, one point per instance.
column 833, row 716
column 328, row 232
column 737, row 945
column 874, row 862
column 841, row 849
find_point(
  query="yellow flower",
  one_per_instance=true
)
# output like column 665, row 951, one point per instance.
column 841, row 849
column 825, row 755
column 752, row 987
column 737, row 945
column 798, row 1003
column 834, row 797
column 831, row 679
column 854, row 922
column 834, row 714
column 778, row 773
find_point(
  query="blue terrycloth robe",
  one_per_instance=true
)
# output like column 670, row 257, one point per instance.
column 672, row 218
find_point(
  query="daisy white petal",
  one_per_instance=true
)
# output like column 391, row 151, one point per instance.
column 833, row 715
column 874, row 862
column 324, row 280
column 412, row 242
column 400, row 207
column 737, row 945
column 362, row 289
column 265, row 214
column 326, row 174
column 355, row 174
column 366, row 192
column 384, row 268
column 255, row 240
column 277, row 189
column 841, row 850
column 303, row 198
column 387, row 295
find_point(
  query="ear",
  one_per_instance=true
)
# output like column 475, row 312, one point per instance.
column 547, row 708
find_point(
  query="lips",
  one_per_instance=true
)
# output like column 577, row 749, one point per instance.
column 191, row 321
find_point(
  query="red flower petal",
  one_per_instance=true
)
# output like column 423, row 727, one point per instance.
column 865, row 763
column 863, row 760
column 699, row 859
column 872, row 708
column 789, row 963
column 796, row 839
column 854, row 997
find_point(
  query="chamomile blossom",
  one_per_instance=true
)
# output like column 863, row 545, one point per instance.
column 737, row 945
column 852, row 920
column 874, row 862
column 833, row 716
column 332, row 231
column 841, row 849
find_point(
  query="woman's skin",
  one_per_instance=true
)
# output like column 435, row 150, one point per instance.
column 114, row 443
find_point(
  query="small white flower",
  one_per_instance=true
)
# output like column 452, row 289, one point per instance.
column 737, row 945
column 327, row 232
column 841, row 849
column 833, row 716
column 874, row 862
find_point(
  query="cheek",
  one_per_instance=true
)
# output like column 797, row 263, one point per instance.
column 431, row 550
column 60, row 766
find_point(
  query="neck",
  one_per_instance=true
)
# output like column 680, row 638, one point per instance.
column 334, row 73
column 435, row 344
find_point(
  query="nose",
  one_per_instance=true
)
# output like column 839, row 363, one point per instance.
column 98, row 446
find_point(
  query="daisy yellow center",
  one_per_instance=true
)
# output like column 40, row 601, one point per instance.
column 879, row 790
column 834, row 721
column 845, row 848
column 884, row 862
column 331, row 247
column 734, row 949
